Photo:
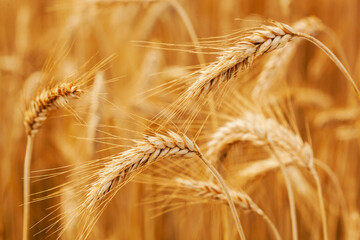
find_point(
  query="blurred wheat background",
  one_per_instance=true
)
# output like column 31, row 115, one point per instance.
column 281, row 119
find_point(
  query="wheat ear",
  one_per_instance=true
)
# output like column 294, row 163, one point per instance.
column 279, row 60
column 252, row 44
column 263, row 131
column 208, row 190
column 125, row 166
column 35, row 116
column 254, row 128
column 259, row 131
column 47, row 100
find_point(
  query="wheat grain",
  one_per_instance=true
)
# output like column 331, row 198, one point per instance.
column 34, row 118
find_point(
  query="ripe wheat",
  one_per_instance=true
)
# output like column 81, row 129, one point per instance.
column 47, row 100
column 252, row 44
column 208, row 190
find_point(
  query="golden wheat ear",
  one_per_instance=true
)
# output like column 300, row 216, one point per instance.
column 123, row 167
column 278, row 62
column 209, row 191
column 251, row 45
column 35, row 116
column 267, row 132
column 48, row 100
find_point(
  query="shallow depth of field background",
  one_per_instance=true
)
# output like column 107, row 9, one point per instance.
column 79, row 34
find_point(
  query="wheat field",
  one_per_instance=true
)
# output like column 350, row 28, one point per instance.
column 179, row 119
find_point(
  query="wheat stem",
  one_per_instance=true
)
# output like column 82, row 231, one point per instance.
column 332, row 56
column 226, row 191
column 27, row 163
column 289, row 191
column 189, row 27
column 321, row 202
column 36, row 114
column 208, row 190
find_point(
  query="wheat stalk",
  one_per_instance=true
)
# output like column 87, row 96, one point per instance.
column 279, row 60
column 258, row 130
column 208, row 190
column 252, row 44
column 35, row 116
column 126, row 165
column 263, row 131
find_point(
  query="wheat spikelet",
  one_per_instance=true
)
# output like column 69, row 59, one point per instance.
column 278, row 61
column 208, row 190
column 257, row 129
column 251, row 45
column 47, row 100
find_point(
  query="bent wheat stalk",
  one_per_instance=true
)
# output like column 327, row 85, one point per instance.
column 35, row 116
column 279, row 60
column 252, row 44
column 289, row 187
column 208, row 190
column 126, row 165
column 262, row 131
column 333, row 58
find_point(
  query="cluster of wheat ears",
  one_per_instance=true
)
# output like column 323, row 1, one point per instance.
column 135, row 133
